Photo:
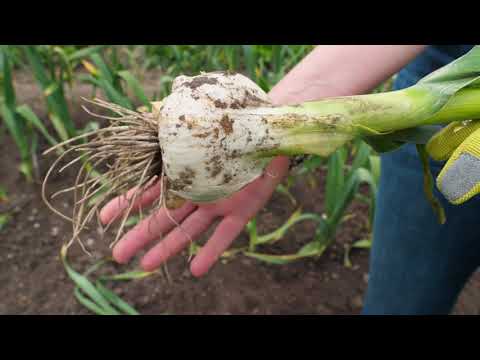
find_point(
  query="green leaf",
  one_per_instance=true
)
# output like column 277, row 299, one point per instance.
column 56, row 100
column 37, row 66
column 195, row 248
column 102, row 66
column 64, row 62
column 284, row 191
column 382, row 144
column 416, row 135
column 309, row 250
column 344, row 198
column 86, row 286
column 116, row 300
column 114, row 95
column 17, row 130
column 464, row 71
column 361, row 156
column 132, row 275
column 7, row 82
column 362, row 244
column 439, row 87
column 50, row 89
column 58, row 124
column 334, row 182
column 88, row 79
column 85, row 52
column 2, row 59
column 250, row 61
column 136, row 87
column 312, row 248
column 274, row 259
column 428, row 185
column 233, row 56
column 374, row 162
column 279, row 233
column 311, row 164
column 89, row 304
column 277, row 58
column 98, row 306
column 252, row 233
column 4, row 219
column 26, row 169
column 27, row 113
column 365, row 176
column 3, row 194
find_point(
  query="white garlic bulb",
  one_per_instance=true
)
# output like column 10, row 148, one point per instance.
column 210, row 137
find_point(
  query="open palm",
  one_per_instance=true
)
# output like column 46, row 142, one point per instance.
column 165, row 239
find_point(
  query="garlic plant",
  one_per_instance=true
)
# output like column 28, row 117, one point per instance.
column 216, row 132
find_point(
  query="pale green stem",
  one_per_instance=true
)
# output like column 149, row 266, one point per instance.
column 320, row 127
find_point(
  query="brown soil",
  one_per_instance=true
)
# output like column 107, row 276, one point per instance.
column 33, row 280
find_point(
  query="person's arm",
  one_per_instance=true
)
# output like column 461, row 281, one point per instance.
column 326, row 71
column 342, row 70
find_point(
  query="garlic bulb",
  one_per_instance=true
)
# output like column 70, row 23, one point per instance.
column 210, row 134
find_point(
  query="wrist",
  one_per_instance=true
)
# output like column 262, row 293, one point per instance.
column 307, row 91
column 332, row 71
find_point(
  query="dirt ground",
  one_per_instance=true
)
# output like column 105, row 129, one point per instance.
column 33, row 280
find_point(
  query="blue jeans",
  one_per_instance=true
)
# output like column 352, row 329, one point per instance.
column 418, row 266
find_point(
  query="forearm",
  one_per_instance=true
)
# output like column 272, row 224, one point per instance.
column 341, row 70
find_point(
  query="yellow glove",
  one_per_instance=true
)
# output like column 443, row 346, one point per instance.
column 459, row 142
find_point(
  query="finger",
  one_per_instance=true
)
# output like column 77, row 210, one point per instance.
column 147, row 230
column 118, row 205
column 221, row 239
column 191, row 228
column 459, row 179
column 444, row 143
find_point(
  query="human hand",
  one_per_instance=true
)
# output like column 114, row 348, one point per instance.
column 167, row 239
